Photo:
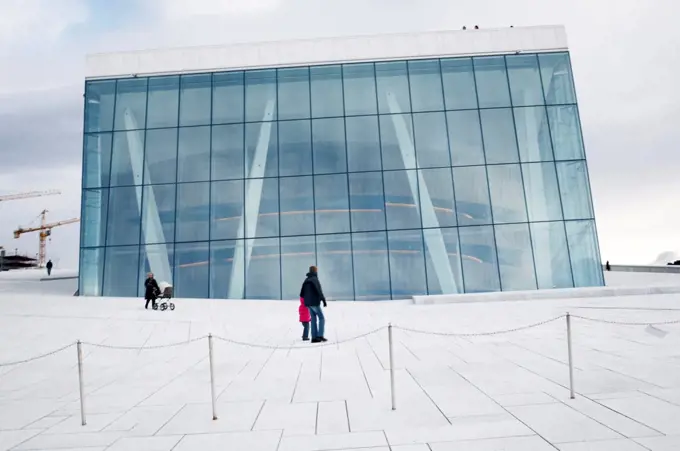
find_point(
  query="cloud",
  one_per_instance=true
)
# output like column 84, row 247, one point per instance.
column 179, row 9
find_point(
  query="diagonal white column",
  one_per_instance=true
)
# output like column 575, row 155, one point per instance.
column 434, row 241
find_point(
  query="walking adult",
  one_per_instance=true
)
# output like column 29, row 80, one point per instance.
column 313, row 297
column 49, row 267
column 151, row 290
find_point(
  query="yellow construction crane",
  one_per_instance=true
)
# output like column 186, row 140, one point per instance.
column 45, row 230
column 29, row 195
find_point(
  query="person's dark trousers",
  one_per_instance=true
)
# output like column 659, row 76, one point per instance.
column 305, row 330
column 152, row 303
column 318, row 321
column 49, row 271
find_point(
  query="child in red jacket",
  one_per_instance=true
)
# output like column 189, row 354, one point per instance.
column 305, row 318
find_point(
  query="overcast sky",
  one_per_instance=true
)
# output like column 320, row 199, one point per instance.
column 626, row 66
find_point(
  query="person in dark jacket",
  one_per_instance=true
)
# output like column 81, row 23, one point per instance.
column 151, row 290
column 313, row 296
column 49, row 267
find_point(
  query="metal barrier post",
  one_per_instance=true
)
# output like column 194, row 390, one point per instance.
column 79, row 348
column 571, row 359
column 212, row 376
column 389, row 337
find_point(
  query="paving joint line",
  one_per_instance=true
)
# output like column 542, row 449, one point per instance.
column 428, row 396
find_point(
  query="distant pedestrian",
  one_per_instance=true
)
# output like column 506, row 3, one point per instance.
column 49, row 268
column 151, row 290
column 305, row 318
column 313, row 296
column 607, row 266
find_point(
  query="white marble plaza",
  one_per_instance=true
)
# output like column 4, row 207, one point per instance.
column 489, row 393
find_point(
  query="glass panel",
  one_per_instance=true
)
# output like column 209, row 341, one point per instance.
column 331, row 201
column 407, row 268
column 297, row 255
column 327, row 98
column 459, row 84
column 195, row 100
column 393, row 92
column 266, row 223
column 499, row 136
column 193, row 154
column 565, row 129
column 533, row 135
column 126, row 161
column 525, row 80
column 160, row 156
column 293, row 93
column 157, row 259
column 95, row 209
column 295, row 148
column 551, row 255
column 130, row 104
column 227, row 152
column 472, row 195
column 163, row 105
column 192, row 270
column 541, row 191
column 222, row 254
column 576, row 198
column 480, row 265
column 426, row 85
column 363, row 143
column 193, row 212
column 492, row 82
column 123, row 218
column 261, row 150
column 465, row 138
column 158, row 219
column 228, row 101
column 263, row 270
column 366, row 201
column 226, row 210
column 437, row 184
column 401, row 199
column 260, row 95
column 515, row 258
column 432, row 146
column 328, row 141
column 334, row 258
column 396, row 136
column 297, row 206
column 91, row 272
column 120, row 271
column 507, row 193
column 371, row 267
column 442, row 261
column 97, row 160
column 558, row 83
column 359, row 85
column 99, row 99
column 585, row 257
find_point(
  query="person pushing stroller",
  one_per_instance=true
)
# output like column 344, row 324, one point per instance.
column 151, row 290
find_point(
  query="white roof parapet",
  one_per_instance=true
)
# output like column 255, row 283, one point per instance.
column 327, row 51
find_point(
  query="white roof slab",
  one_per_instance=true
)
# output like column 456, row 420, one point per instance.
column 327, row 51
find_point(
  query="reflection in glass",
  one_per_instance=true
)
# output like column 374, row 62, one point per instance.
column 480, row 264
column 120, row 271
column 297, row 255
column 507, row 193
column 126, row 161
column 97, row 160
column 130, row 104
column 459, row 84
column 295, row 148
column 393, row 90
column 331, row 202
column 396, row 136
column 558, row 83
column 163, row 106
column 263, row 269
column 426, row 85
column 432, row 147
column 222, row 255
column 553, row 269
column 407, row 268
column 99, row 103
column 585, row 256
column 195, row 100
column 541, row 191
column 297, row 206
column 525, row 80
column 226, row 210
column 443, row 276
column 439, row 187
column 265, row 222
column 193, row 155
column 158, row 218
column 326, row 90
column 124, row 220
column 334, row 259
column 328, row 141
column 472, row 195
column 293, row 92
column 465, row 138
column 498, row 129
column 157, row 259
column 193, row 212
column 401, row 200
column 533, row 135
column 371, row 267
column 492, row 82
column 227, row 152
column 359, row 87
column 575, row 189
column 192, row 270
column 366, row 201
column 261, row 95
column 91, row 272
column 160, row 156
column 363, row 143
column 515, row 257
column 565, row 129
column 261, row 150
column 228, row 98
column 95, row 209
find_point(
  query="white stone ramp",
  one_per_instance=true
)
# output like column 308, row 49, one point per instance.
column 276, row 393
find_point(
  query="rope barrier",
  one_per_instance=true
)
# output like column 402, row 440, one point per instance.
column 317, row 345
column 626, row 323
column 141, row 348
column 481, row 334
column 42, row 356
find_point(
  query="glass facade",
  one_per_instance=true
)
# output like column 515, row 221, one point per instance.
column 398, row 178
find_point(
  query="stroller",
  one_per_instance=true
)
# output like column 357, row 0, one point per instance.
column 165, row 295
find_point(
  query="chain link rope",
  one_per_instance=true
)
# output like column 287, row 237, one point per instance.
column 481, row 334
column 38, row 357
column 626, row 323
column 142, row 348
column 317, row 345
